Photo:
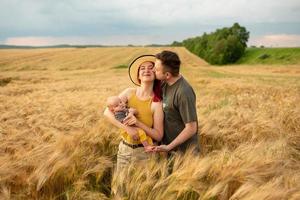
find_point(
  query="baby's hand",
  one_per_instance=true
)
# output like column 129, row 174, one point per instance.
column 130, row 120
column 133, row 111
column 149, row 148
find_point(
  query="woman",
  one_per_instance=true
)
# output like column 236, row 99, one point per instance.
column 146, row 100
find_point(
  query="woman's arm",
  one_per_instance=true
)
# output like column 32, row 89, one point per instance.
column 156, row 132
column 111, row 118
column 130, row 130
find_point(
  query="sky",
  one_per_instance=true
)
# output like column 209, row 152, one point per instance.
column 139, row 22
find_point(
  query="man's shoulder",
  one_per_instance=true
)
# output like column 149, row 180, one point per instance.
column 184, row 87
column 185, row 83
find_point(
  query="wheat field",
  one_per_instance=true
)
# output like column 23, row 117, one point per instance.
column 56, row 144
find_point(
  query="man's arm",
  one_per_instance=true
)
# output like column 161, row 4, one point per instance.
column 189, row 130
column 187, row 109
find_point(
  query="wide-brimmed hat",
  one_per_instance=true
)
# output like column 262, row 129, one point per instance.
column 135, row 64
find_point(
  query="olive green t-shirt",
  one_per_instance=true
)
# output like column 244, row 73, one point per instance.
column 179, row 106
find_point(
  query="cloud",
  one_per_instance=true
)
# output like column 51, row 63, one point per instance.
column 177, row 19
column 107, row 40
column 48, row 14
column 282, row 40
column 34, row 41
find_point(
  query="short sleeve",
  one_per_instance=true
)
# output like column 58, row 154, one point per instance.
column 187, row 105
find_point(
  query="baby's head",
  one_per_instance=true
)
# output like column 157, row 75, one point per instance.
column 115, row 104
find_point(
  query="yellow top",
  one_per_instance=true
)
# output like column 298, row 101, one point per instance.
column 144, row 115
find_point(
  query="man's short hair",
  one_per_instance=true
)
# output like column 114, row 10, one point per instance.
column 170, row 62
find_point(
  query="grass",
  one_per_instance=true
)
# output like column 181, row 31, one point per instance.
column 277, row 56
column 56, row 144
column 215, row 106
column 5, row 81
column 216, row 74
column 122, row 66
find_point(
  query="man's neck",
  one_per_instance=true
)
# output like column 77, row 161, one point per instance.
column 173, row 79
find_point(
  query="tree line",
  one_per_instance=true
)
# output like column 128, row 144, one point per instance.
column 223, row 46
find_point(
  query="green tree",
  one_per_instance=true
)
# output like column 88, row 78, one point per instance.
column 176, row 44
column 223, row 46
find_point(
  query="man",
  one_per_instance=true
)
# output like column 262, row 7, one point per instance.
column 179, row 105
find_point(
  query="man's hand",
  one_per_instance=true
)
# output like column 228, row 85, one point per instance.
column 162, row 148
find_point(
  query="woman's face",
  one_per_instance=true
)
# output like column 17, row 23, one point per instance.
column 146, row 72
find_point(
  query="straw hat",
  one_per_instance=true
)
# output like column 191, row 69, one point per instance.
column 134, row 67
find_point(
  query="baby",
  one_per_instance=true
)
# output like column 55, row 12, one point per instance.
column 118, row 106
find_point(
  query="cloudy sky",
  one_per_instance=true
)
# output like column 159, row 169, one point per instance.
column 139, row 22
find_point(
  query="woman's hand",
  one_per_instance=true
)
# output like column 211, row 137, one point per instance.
column 132, row 132
column 130, row 120
column 149, row 149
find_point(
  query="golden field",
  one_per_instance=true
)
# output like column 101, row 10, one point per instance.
column 56, row 144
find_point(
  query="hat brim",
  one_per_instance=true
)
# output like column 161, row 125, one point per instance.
column 135, row 64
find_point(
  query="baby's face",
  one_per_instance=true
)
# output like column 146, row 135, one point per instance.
column 119, row 106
